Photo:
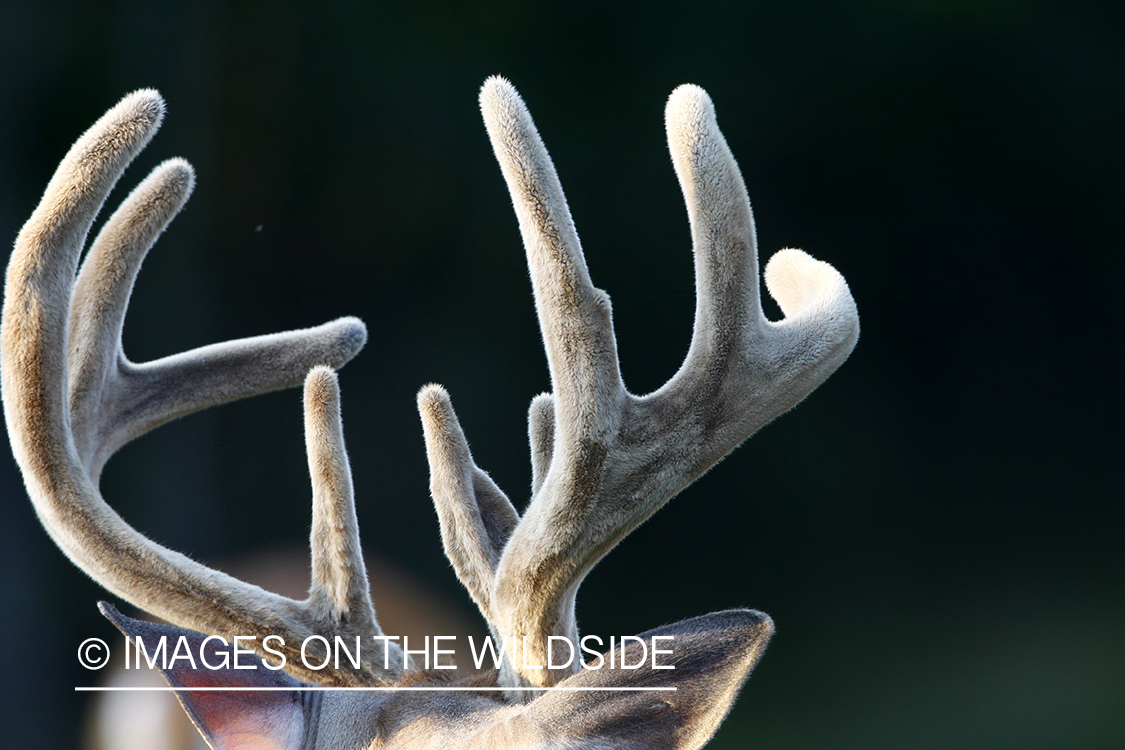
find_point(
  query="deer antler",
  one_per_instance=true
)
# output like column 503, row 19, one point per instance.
column 603, row 459
column 72, row 398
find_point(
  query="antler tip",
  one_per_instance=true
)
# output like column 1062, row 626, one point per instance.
column 142, row 105
column 178, row 170
column 690, row 123
column 174, row 182
column 688, row 92
column 688, row 104
column 320, row 376
column 350, row 334
column 503, row 110
column 795, row 279
column 496, row 86
column 322, row 389
column 432, row 398
column 133, row 120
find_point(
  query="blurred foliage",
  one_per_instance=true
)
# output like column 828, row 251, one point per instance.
column 934, row 531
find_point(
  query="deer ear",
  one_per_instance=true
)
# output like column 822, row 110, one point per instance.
column 228, row 719
column 712, row 656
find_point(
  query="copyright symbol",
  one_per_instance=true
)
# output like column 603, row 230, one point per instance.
column 93, row 653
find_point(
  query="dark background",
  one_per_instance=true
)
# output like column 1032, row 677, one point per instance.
column 937, row 531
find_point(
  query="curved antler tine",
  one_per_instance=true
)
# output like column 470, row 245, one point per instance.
column 89, row 171
column 821, row 325
column 159, row 391
column 42, row 268
column 105, row 282
column 722, row 225
column 340, row 593
column 476, row 518
column 574, row 316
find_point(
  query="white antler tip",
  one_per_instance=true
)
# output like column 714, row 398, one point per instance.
column 135, row 118
column 177, row 176
column 794, row 279
column 96, row 160
column 145, row 105
column 178, row 169
column 439, row 424
column 689, row 119
column 688, row 94
column 498, row 94
column 501, row 105
column 542, row 402
column 496, row 86
column 688, row 109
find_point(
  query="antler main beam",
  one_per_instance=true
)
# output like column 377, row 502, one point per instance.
column 72, row 398
column 603, row 459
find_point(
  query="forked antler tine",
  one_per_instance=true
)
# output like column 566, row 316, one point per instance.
column 773, row 365
column 573, row 315
column 741, row 370
column 604, row 460
column 105, row 282
column 116, row 400
column 41, row 273
column 150, row 394
column 476, row 518
column 478, row 523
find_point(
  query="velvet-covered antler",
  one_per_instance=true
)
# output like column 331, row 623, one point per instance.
column 72, row 398
column 603, row 459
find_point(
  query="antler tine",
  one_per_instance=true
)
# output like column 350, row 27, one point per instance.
column 153, row 393
column 476, row 518
column 101, row 295
column 573, row 315
column 340, row 592
column 97, row 317
column 770, row 367
column 604, row 460
column 71, row 398
column 541, row 436
column 157, row 392
column 42, row 269
column 727, row 303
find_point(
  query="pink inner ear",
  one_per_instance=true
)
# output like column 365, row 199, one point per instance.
column 240, row 719
column 230, row 719
column 237, row 720
column 248, row 721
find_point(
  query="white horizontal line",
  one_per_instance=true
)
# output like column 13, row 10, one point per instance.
column 367, row 689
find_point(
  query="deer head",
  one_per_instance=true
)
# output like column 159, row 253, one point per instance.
column 603, row 459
